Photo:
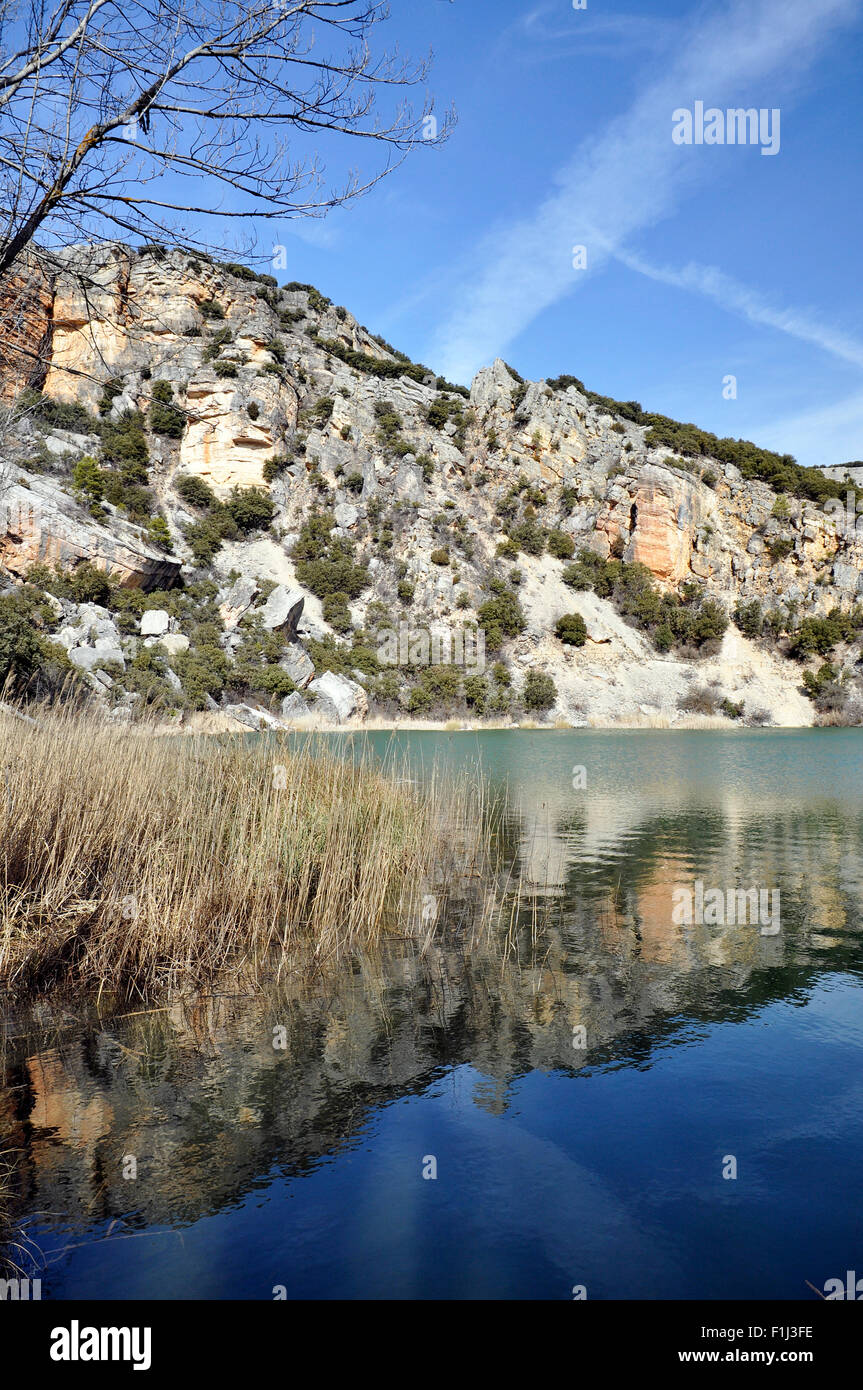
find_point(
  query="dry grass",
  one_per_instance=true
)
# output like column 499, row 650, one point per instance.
column 135, row 863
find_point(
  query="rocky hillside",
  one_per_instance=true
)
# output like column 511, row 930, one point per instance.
column 218, row 493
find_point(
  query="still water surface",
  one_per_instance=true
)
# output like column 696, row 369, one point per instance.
column 557, row 1166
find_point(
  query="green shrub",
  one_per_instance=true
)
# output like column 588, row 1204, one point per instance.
column 540, row 692
column 818, row 636
column 216, row 343
column 336, row 612
column 274, row 467
column 110, row 390
column 438, row 688
column 688, row 620
column 26, row 653
column 502, row 613
column 165, row 417
column 732, row 709
column 476, row 693
column 124, row 442
column 158, row 534
column 440, row 556
column 202, row 672
column 373, row 366
column 816, row 682
column 204, row 537
column 87, row 478
column 749, row 618
column 571, row 630
column 56, row 415
column 326, row 564
column 560, row 545
column 389, row 430
column 195, row 491
column 211, row 309
column 250, row 508
column 90, row 585
column 445, row 409
column 780, row 547
column 529, row 536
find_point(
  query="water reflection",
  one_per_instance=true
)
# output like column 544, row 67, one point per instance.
column 212, row 1110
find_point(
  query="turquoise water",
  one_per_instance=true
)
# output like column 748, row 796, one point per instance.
column 708, row 1047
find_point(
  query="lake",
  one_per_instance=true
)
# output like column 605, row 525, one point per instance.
column 627, row 1097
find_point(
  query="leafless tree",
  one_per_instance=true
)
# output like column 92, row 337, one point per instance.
column 157, row 119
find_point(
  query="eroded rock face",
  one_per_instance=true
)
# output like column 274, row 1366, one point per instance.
column 91, row 320
column 658, row 517
column 39, row 524
column 26, row 303
column 222, row 444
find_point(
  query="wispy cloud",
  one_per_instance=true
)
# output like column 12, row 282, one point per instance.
column 633, row 175
column 552, row 31
column 821, row 436
column 740, row 299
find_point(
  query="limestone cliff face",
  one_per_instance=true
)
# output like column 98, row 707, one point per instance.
column 26, row 302
column 39, row 524
column 407, row 466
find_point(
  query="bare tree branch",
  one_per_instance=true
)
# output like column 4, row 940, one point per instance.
column 99, row 99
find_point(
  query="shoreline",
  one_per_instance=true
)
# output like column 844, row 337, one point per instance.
column 213, row 722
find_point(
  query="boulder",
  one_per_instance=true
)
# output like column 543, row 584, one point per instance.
column 256, row 719
column 236, row 601
column 102, row 654
column 282, row 609
column 337, row 698
column 155, row 622
column 298, row 665
column 294, row 706
column 174, row 642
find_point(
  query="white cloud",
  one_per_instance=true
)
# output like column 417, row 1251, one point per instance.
column 740, row 299
column 553, row 32
column 632, row 176
column 819, row 437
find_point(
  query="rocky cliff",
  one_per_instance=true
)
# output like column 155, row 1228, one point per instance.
column 224, row 446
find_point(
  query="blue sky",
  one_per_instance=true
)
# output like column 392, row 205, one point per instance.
column 703, row 261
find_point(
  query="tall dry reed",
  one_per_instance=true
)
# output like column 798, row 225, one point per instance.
column 131, row 862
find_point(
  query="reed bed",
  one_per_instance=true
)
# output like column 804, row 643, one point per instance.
column 133, row 863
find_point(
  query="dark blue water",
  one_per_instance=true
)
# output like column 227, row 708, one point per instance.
column 707, row 1048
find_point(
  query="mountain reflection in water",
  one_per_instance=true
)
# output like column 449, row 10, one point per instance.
column 301, row 1166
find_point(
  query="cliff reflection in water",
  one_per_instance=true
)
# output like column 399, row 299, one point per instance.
column 198, row 1093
